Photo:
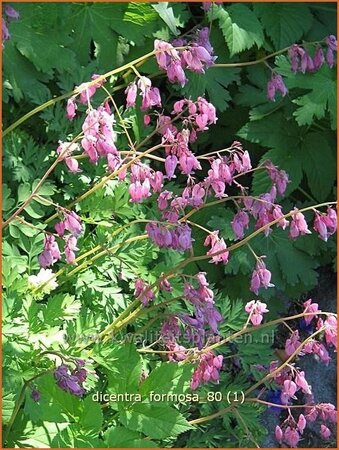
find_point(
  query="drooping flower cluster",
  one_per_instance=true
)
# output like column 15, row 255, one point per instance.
column 276, row 84
column 325, row 224
column 85, row 92
column 256, row 309
column 218, row 248
column 261, row 277
column 194, row 55
column 51, row 253
column 72, row 224
column 143, row 180
column 170, row 332
column 302, row 61
column 205, row 318
column 178, row 238
column 71, row 380
column 143, row 291
column 150, row 95
column 207, row 370
column 291, row 430
column 9, row 14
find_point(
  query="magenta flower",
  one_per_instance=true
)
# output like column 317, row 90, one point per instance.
column 51, row 253
column 301, row 424
column 310, row 308
column 256, row 309
column 143, row 290
column 298, row 225
column 71, row 108
column 70, row 249
column 11, row 13
column 325, row 432
column 278, row 434
column 291, row 437
column 292, row 343
column 261, row 277
column 301, row 382
column 131, row 93
column 171, row 163
column 240, row 223
column 218, row 249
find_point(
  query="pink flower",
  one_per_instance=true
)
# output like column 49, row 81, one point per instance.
column 51, row 252
column 87, row 90
column 207, row 370
column 325, row 224
column 276, row 84
column 291, row 437
column 163, row 199
column 261, row 277
column 301, row 382
column 217, row 246
column 331, row 331
column 310, row 308
column 11, row 13
column 131, row 93
column 298, row 225
column 292, row 343
column 325, row 432
column 171, row 163
column 72, row 223
column 289, row 389
column 70, row 249
column 143, row 290
column 240, row 223
column 279, row 177
column 256, row 309
column 301, row 423
column 71, row 108
column 278, row 434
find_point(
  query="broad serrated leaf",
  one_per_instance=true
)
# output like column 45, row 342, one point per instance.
column 158, row 422
column 166, row 13
column 240, row 27
column 285, row 23
column 121, row 437
column 319, row 164
column 168, row 378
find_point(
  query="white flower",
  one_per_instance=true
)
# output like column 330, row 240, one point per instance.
column 42, row 277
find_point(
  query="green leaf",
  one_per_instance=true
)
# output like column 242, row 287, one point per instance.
column 47, row 48
column 91, row 417
column 275, row 131
column 319, row 164
column 121, row 437
column 167, row 15
column 41, row 436
column 288, row 264
column 7, row 201
column 124, row 365
column 8, row 402
column 158, row 422
column 168, row 378
column 285, row 23
column 240, row 27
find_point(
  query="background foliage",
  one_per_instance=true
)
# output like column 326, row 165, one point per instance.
column 56, row 46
